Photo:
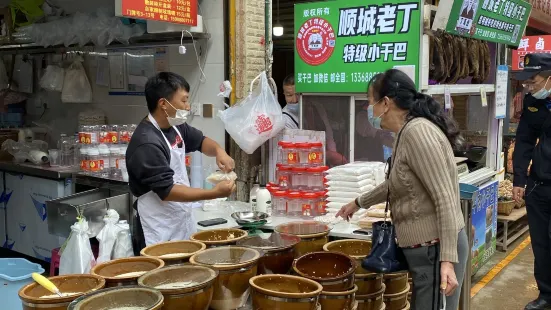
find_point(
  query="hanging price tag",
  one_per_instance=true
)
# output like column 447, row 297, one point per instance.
column 483, row 97
column 447, row 98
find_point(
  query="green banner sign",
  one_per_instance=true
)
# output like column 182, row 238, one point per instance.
column 341, row 45
column 500, row 21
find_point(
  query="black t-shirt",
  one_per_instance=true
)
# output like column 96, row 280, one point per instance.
column 148, row 157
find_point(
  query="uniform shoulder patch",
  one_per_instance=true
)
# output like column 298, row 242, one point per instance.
column 532, row 109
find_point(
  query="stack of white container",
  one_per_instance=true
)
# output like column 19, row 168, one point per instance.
column 348, row 182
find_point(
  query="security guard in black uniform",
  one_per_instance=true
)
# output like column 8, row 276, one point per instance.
column 533, row 143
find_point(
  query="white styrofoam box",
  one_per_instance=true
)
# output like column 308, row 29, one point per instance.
column 27, row 218
column 154, row 26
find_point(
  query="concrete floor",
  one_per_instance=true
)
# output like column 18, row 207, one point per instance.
column 510, row 289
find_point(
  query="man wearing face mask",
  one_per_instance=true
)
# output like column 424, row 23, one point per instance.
column 156, row 166
column 535, row 186
column 291, row 110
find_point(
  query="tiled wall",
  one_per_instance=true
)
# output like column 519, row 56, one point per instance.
column 63, row 118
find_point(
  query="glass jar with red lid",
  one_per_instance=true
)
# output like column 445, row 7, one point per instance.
column 283, row 176
column 315, row 177
column 303, row 150
column 309, row 204
column 294, row 204
column 321, row 208
column 279, row 203
column 315, row 156
column 299, row 180
column 288, row 154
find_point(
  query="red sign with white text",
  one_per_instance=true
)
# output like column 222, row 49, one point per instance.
column 171, row 11
column 530, row 45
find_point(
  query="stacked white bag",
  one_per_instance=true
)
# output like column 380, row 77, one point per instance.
column 348, row 182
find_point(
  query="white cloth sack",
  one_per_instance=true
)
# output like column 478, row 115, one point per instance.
column 348, row 195
column 256, row 119
column 359, row 190
column 77, row 257
column 351, row 185
column 350, row 178
column 76, row 87
column 340, row 200
column 108, row 236
column 219, row 176
column 53, row 78
column 123, row 246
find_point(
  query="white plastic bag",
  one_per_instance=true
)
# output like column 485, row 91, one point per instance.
column 219, row 176
column 76, row 87
column 256, row 119
column 77, row 257
column 123, row 246
column 108, row 236
column 53, row 78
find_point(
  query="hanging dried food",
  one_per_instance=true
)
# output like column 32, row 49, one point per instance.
column 447, row 41
column 479, row 79
column 472, row 47
column 455, row 71
column 437, row 69
column 487, row 61
column 464, row 58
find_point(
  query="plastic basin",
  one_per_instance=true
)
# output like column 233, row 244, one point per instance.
column 14, row 274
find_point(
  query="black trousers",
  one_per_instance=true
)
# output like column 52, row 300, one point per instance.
column 538, row 206
column 138, row 238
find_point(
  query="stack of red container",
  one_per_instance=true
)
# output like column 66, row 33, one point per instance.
column 299, row 186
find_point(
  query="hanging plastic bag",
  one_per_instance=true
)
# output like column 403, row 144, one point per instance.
column 108, row 236
column 123, row 246
column 256, row 119
column 77, row 256
column 53, row 78
column 76, row 87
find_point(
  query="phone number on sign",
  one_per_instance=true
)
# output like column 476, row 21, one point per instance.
column 362, row 77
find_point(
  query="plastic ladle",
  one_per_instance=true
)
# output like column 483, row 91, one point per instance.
column 47, row 284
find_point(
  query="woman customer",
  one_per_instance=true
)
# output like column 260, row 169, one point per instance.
column 424, row 189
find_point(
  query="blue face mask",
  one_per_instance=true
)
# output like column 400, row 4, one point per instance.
column 542, row 93
column 292, row 107
column 374, row 121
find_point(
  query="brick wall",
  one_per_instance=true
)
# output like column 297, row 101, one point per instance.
column 250, row 59
column 250, row 48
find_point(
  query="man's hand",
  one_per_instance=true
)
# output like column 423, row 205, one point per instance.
column 224, row 161
column 518, row 193
column 448, row 278
column 224, row 189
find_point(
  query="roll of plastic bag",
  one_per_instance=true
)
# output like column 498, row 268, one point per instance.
column 108, row 236
column 123, row 246
column 77, row 256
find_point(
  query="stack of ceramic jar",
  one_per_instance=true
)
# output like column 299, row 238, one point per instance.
column 299, row 187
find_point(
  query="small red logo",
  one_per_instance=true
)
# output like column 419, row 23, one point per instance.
column 263, row 124
column 315, row 41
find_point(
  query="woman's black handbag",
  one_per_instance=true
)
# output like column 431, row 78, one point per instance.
column 385, row 256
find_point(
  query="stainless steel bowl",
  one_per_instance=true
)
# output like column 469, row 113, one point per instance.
column 249, row 217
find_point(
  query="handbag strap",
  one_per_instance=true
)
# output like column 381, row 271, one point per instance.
column 390, row 163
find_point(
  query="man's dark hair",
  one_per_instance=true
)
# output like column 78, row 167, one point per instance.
column 163, row 85
column 289, row 80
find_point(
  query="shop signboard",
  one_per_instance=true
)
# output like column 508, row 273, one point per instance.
column 341, row 45
column 172, row 11
column 500, row 21
column 530, row 45
column 484, row 224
